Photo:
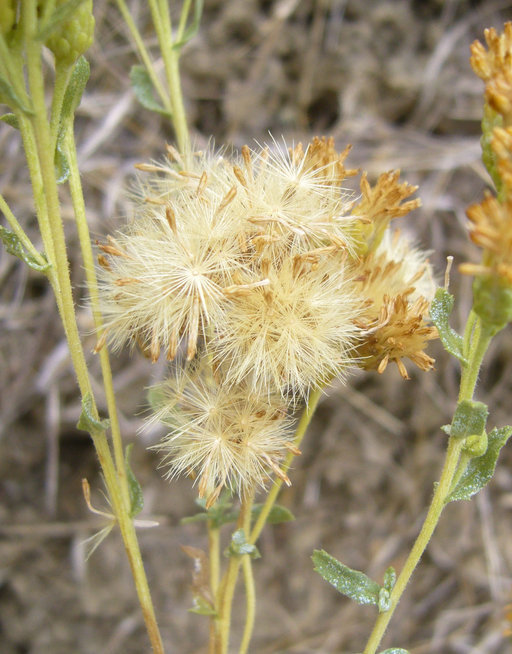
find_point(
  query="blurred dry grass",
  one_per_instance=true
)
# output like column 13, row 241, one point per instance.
column 392, row 78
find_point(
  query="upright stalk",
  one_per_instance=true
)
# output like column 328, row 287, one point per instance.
column 476, row 340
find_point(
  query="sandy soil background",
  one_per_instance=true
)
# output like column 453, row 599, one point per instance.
column 392, row 78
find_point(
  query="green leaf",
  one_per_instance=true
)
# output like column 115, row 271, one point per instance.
column 202, row 606
column 9, row 97
column 352, row 583
column 61, row 163
column 14, row 246
column 134, row 488
column 469, row 419
column 75, row 89
column 70, row 102
column 389, row 579
column 384, row 601
column 10, row 119
column 193, row 28
column 395, row 650
column 59, row 16
column 440, row 311
column 278, row 514
column 143, row 88
column 87, row 422
column 219, row 514
column 480, row 469
column 239, row 546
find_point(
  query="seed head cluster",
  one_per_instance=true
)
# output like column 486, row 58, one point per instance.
column 261, row 278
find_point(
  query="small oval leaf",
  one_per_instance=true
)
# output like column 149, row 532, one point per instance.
column 352, row 583
column 143, row 88
column 14, row 246
column 440, row 310
column 87, row 422
column 480, row 469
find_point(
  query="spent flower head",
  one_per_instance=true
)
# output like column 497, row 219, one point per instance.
column 223, row 437
column 397, row 284
column 272, row 277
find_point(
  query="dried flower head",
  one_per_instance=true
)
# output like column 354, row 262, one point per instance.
column 397, row 282
column 222, row 436
column 494, row 66
column 381, row 204
column 491, row 229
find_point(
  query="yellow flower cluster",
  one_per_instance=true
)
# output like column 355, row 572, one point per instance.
column 491, row 219
column 262, row 278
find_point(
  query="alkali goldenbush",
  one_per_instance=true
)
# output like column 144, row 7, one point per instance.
column 265, row 279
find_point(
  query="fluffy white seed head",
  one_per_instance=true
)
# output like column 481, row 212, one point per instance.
column 293, row 334
column 224, row 437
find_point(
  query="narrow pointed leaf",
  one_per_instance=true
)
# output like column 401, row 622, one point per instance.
column 14, row 246
column 278, row 514
column 440, row 311
column 10, row 119
column 480, row 469
column 87, row 422
column 134, row 488
column 193, row 28
column 75, row 89
column 352, row 583
column 9, row 97
column 143, row 88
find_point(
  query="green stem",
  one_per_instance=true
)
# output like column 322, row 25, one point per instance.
column 433, row 515
column 307, row 414
column 214, row 551
column 43, row 142
column 228, row 584
column 77, row 199
column 144, row 55
column 20, row 232
column 119, row 481
column 250, row 611
column 170, row 55
column 36, row 179
column 476, row 341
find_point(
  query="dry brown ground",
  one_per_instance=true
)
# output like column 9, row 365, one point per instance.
column 392, row 78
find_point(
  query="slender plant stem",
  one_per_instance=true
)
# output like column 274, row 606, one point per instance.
column 476, row 341
column 304, row 421
column 144, row 55
column 37, row 137
column 36, row 179
column 214, row 550
column 170, row 55
column 77, row 199
column 250, row 611
column 433, row 515
column 119, row 483
column 228, row 584
column 53, row 215
column 20, row 232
